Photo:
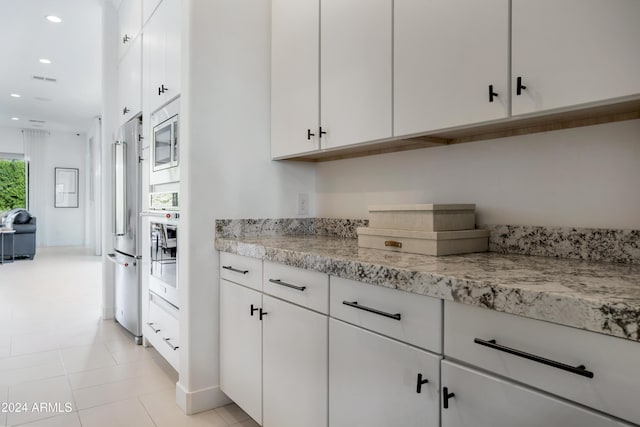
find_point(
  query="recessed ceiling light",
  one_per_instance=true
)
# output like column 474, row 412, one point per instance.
column 54, row 19
column 45, row 61
column 15, row 95
column 15, row 118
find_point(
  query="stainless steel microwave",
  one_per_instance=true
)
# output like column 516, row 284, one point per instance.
column 165, row 144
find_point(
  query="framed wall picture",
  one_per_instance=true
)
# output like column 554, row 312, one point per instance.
column 66, row 188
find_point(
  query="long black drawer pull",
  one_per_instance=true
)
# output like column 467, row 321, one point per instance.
column 288, row 285
column 355, row 304
column 228, row 267
column 578, row 370
column 420, row 383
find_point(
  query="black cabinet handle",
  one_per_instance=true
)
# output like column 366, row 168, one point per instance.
column 322, row 132
column 125, row 110
column 164, row 89
column 159, row 91
column 228, row 267
column 125, row 39
column 446, row 396
column 578, row 370
column 309, row 134
column 492, row 94
column 355, row 304
column 288, row 285
column 420, row 383
column 262, row 313
column 519, row 86
column 253, row 309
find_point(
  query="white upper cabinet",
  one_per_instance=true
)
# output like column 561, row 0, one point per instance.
column 355, row 72
column 295, row 62
column 130, row 83
column 148, row 6
column 449, row 57
column 571, row 52
column 161, row 60
column 129, row 24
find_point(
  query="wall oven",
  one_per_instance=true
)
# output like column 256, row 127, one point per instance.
column 164, row 257
column 165, row 144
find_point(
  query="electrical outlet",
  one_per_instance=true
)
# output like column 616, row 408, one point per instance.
column 303, row 204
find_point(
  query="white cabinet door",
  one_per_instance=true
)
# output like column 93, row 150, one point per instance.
column 447, row 56
column 373, row 381
column 148, row 7
column 172, row 49
column 481, row 400
column 356, row 68
column 129, row 24
column 295, row 61
column 571, row 52
column 241, row 347
column 130, row 83
column 154, row 60
column 294, row 366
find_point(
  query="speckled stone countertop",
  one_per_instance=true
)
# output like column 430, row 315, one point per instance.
column 599, row 297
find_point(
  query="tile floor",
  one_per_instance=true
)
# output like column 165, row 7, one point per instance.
column 57, row 353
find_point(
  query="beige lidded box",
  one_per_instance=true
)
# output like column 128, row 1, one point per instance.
column 424, row 242
column 423, row 217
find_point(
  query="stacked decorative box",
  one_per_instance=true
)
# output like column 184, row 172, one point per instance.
column 429, row 229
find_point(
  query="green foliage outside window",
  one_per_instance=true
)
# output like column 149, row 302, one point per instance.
column 12, row 185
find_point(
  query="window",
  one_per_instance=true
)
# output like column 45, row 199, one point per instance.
column 13, row 182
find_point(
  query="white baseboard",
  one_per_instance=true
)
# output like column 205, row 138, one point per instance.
column 201, row 400
column 107, row 312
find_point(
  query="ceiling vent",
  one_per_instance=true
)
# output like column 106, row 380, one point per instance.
column 45, row 79
column 37, row 121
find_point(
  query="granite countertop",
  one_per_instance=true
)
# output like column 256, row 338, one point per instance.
column 599, row 297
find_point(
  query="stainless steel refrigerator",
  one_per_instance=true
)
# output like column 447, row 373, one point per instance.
column 126, row 254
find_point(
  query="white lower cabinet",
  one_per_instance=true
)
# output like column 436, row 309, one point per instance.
column 376, row 381
column 294, row 361
column 241, row 347
column 474, row 399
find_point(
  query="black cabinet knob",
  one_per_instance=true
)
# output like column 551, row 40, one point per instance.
column 446, row 396
column 519, row 86
column 420, row 383
column 253, row 309
column 492, row 94
column 125, row 39
column 125, row 110
column 309, row 134
column 262, row 313
column 322, row 132
column 159, row 91
column 164, row 89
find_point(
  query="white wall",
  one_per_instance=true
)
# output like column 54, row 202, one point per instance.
column 11, row 141
column 584, row 177
column 226, row 170
column 56, row 226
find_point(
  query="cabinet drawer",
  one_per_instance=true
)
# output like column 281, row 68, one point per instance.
column 162, row 330
column 306, row 288
column 241, row 269
column 469, row 332
column 481, row 400
column 415, row 319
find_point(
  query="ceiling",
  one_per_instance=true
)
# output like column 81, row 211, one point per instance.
column 74, row 48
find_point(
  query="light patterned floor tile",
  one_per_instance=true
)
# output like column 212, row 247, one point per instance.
column 78, row 359
column 29, row 360
column 52, row 391
column 33, row 343
column 65, row 420
column 39, row 372
column 165, row 412
column 128, row 354
column 246, row 423
column 113, row 392
column 116, row 373
column 232, row 414
column 127, row 413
